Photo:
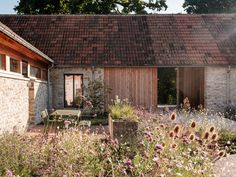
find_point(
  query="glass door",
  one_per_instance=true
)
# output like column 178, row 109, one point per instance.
column 73, row 89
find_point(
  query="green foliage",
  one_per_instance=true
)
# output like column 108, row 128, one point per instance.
column 228, row 141
column 88, row 6
column 209, row 6
column 122, row 109
column 96, row 94
column 163, row 149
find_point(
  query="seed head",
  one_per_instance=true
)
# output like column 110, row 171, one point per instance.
column 172, row 134
column 214, row 137
column 193, row 124
column 173, row 116
column 212, row 129
column 221, row 153
column 176, row 129
column 206, row 135
column 174, row 146
column 191, row 137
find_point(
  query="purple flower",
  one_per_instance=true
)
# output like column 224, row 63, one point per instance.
column 149, row 135
column 158, row 147
column 9, row 173
column 128, row 163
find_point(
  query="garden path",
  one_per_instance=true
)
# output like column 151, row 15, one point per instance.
column 226, row 167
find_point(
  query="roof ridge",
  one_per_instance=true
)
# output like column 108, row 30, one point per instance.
column 121, row 15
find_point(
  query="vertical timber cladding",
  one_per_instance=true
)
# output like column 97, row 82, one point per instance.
column 139, row 85
column 191, row 85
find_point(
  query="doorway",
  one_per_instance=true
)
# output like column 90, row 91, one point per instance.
column 73, row 89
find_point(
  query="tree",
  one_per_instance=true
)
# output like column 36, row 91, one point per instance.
column 89, row 6
column 209, row 6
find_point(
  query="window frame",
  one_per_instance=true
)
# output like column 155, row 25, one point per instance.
column 27, row 74
column 82, row 83
column 40, row 72
column 18, row 64
column 3, row 58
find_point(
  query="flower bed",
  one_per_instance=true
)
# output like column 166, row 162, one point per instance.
column 170, row 149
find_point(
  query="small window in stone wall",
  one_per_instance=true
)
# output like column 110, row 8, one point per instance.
column 44, row 74
column 2, row 62
column 25, row 68
column 14, row 65
column 35, row 72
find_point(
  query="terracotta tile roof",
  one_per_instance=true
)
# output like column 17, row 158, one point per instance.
column 166, row 40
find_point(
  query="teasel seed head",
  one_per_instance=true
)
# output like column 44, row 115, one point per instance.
column 173, row 116
column 206, row 135
column 193, row 124
column 191, row 137
column 212, row 129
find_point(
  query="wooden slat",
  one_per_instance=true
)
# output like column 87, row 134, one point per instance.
column 139, row 85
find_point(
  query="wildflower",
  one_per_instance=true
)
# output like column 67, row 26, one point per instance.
column 156, row 159
column 206, row 135
column 174, row 146
column 162, row 126
column 172, row 134
column 212, row 129
column 214, row 137
column 176, row 129
column 128, row 163
column 173, row 116
column 221, row 153
column 149, row 135
column 9, row 173
column 191, row 137
column 158, row 147
column 193, row 124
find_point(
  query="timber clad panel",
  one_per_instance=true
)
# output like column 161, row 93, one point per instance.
column 191, row 85
column 139, row 85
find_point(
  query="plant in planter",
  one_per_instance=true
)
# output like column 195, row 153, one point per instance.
column 123, row 123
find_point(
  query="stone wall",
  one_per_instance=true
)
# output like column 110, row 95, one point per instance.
column 41, row 99
column 14, row 104
column 57, row 80
column 220, row 88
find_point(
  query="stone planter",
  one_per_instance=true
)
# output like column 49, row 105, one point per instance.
column 123, row 130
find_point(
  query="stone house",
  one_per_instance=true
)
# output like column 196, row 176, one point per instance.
column 146, row 58
column 23, row 81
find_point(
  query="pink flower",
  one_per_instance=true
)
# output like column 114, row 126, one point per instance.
column 64, row 175
column 149, row 135
column 158, row 147
column 9, row 173
column 128, row 163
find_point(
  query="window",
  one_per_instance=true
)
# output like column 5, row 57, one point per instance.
column 14, row 65
column 44, row 74
column 73, row 89
column 25, row 68
column 35, row 72
column 2, row 62
column 167, row 86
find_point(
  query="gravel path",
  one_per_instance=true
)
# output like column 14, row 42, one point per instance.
column 226, row 167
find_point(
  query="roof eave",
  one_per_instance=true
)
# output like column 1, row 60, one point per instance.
column 7, row 31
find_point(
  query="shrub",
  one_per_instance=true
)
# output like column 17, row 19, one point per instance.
column 122, row 109
column 230, row 112
column 96, row 93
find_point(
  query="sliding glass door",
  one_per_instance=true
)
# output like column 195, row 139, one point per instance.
column 73, row 89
